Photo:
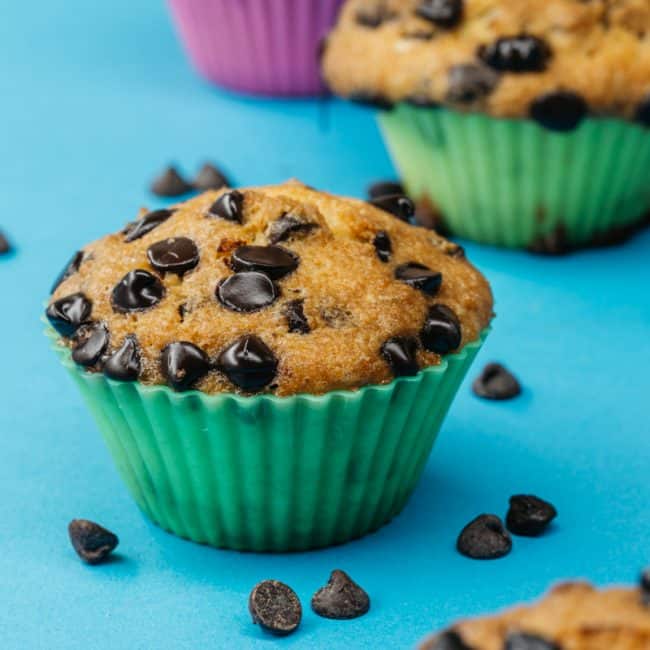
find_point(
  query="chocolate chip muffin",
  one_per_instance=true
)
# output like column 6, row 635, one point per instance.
column 277, row 289
column 573, row 616
column 522, row 122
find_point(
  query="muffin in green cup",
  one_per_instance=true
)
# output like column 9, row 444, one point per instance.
column 519, row 124
column 269, row 367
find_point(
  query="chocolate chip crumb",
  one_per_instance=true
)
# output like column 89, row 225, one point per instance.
column 170, row 183
column 294, row 312
column 496, row 382
column 341, row 598
column 275, row 607
column 92, row 542
column 529, row 516
column 484, row 538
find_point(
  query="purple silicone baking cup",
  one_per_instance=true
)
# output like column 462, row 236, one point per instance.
column 268, row 47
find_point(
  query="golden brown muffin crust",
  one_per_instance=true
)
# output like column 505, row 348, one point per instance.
column 600, row 50
column 576, row 616
column 352, row 301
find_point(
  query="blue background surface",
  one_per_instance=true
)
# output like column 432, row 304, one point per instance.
column 95, row 98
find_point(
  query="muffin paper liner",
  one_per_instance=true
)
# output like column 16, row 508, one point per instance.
column 257, row 46
column 265, row 473
column 513, row 183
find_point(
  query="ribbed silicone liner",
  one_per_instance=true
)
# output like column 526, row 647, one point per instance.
column 511, row 182
column 257, row 46
column 265, row 473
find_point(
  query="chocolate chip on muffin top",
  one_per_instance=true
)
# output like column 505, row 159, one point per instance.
column 278, row 289
column 554, row 61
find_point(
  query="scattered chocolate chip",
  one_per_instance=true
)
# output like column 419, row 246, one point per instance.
column 397, row 204
column 383, row 246
column 68, row 313
column 400, row 353
column 522, row 53
column 229, row 206
column 441, row 332
column 124, row 363
column 449, row 640
column 484, row 538
column 559, row 111
column 523, row 641
column 644, row 584
column 70, row 269
column 247, row 291
column 210, row 178
column 294, row 312
column 89, row 344
column 341, row 598
column 174, row 255
column 136, row 291
column 274, row 261
column 288, row 226
column 642, row 114
column 419, row 277
column 146, row 224
column 92, row 542
column 443, row 13
column 170, row 183
column 496, row 382
column 372, row 100
column 183, row 364
column 385, row 188
column 470, row 82
column 5, row 246
column 248, row 363
column 275, row 607
column 528, row 515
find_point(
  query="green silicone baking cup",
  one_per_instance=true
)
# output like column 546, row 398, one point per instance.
column 265, row 473
column 513, row 183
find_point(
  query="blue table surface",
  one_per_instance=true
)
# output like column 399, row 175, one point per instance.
column 96, row 97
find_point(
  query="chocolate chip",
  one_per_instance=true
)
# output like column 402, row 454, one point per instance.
column 5, row 246
column 170, row 183
column 484, row 538
column 559, row 111
column 295, row 314
column 642, row 114
column 67, row 314
column 248, row 363
column 136, row 291
column 174, row 255
column 644, row 584
column 523, row 641
column 210, row 178
column 274, row 261
column 275, row 607
column 70, row 269
column 443, row 13
column 449, row 640
column 341, row 598
column 183, row 364
column 528, row 515
column 470, row 82
column 400, row 353
column 374, row 17
column 229, row 206
column 441, row 332
column 383, row 246
column 522, row 53
column 247, row 291
column 146, row 224
column 124, row 363
column 397, row 204
column 92, row 542
column 89, row 344
column 385, row 188
column 496, row 383
column 419, row 277
column 372, row 100
column 288, row 226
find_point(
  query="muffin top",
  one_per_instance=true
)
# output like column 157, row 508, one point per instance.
column 278, row 289
column 573, row 616
column 553, row 60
